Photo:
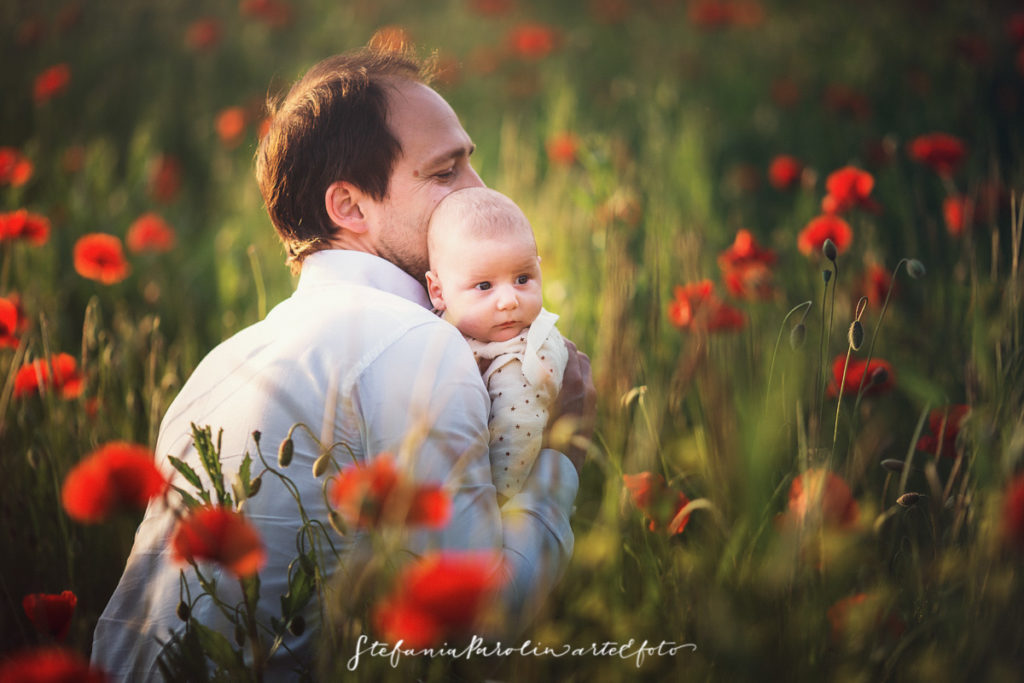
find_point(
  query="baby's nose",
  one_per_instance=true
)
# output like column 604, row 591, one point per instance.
column 507, row 299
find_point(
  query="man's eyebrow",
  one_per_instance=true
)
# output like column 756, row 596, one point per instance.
column 455, row 153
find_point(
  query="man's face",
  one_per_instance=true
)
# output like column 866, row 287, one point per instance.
column 434, row 162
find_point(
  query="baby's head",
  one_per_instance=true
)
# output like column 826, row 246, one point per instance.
column 484, row 269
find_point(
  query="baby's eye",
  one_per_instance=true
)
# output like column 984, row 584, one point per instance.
column 483, row 286
column 522, row 279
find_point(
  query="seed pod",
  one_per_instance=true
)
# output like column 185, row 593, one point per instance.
column 893, row 465
column 183, row 611
column 829, row 250
column 797, row 335
column 909, row 500
column 285, row 452
column 915, row 269
column 254, row 486
column 320, row 465
column 879, row 375
column 856, row 335
column 256, row 436
column 297, row 625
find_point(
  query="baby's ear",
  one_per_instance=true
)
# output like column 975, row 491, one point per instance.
column 434, row 290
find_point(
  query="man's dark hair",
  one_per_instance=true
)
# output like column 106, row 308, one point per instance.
column 331, row 126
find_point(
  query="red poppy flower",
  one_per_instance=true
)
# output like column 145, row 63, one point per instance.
column 15, row 168
column 844, row 100
column 785, row 93
column 150, row 232
column 99, row 256
column 562, row 149
column 784, row 171
column 117, row 476
column 880, row 376
column 8, row 323
column 492, row 8
column 273, row 13
column 165, row 179
column 49, row 665
column 231, row 126
column 659, row 503
column 820, row 496
column 377, row 493
column 59, row 372
column 1013, row 513
column 940, row 151
column 745, row 250
column 51, row 614
column 958, row 211
column 203, row 34
column 944, row 427
column 696, row 307
column 439, row 597
column 848, row 187
column 34, row 228
column 713, row 14
column 51, row 82
column 863, row 612
column 874, row 284
column 827, row 226
column 751, row 281
column 219, row 535
column 532, row 41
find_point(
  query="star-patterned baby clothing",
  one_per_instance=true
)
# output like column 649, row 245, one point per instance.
column 523, row 379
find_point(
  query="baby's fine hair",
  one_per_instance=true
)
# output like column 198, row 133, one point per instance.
column 481, row 212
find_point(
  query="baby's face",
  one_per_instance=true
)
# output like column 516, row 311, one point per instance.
column 489, row 288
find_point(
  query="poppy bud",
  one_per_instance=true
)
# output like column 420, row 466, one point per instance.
column 183, row 611
column 797, row 335
column 829, row 250
column 909, row 500
column 320, row 466
column 256, row 436
column 879, row 375
column 856, row 335
column 307, row 565
column 915, row 269
column 254, row 486
column 893, row 465
column 285, row 452
column 336, row 521
column 826, row 275
column 297, row 625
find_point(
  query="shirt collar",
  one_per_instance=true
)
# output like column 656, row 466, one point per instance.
column 360, row 268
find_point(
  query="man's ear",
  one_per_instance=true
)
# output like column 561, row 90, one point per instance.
column 342, row 201
column 434, row 290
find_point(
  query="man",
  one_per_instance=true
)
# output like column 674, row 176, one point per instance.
column 358, row 154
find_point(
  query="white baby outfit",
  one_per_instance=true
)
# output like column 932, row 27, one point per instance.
column 523, row 379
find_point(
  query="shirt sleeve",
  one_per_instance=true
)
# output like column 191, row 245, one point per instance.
column 423, row 399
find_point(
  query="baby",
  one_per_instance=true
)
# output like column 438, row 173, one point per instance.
column 485, row 278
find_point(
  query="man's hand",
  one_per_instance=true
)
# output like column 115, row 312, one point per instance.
column 572, row 417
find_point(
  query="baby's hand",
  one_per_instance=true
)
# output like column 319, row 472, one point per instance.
column 576, row 403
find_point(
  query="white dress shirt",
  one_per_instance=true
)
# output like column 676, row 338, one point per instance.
column 355, row 355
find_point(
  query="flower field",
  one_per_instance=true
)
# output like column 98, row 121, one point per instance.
column 788, row 234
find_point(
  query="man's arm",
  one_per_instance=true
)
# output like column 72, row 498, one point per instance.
column 423, row 399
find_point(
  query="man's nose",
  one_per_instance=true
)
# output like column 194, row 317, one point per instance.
column 470, row 179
